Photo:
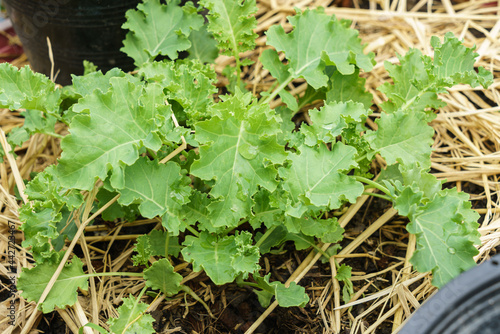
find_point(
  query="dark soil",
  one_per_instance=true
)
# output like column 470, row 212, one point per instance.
column 52, row 323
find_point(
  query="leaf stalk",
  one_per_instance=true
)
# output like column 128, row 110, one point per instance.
column 278, row 89
column 265, row 236
column 190, row 292
column 373, row 184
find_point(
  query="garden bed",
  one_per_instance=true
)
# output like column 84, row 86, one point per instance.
column 377, row 247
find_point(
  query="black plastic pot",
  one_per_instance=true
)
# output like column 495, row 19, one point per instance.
column 470, row 304
column 78, row 30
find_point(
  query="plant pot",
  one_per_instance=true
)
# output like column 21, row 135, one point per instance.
column 470, row 304
column 78, row 30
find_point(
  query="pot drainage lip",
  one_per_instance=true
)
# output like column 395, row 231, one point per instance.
column 469, row 304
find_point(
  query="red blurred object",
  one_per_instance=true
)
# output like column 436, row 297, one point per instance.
column 8, row 50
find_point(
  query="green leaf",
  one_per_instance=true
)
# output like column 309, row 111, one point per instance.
column 329, row 121
column 328, row 230
column 246, row 259
column 143, row 250
column 196, row 211
column 233, row 83
column 64, row 292
column 331, row 251
column 419, row 79
column 93, row 326
column 294, row 295
column 318, row 39
column 300, row 240
column 349, row 87
column 401, row 137
column 89, row 67
column 203, row 46
column 288, row 136
column 115, row 210
column 344, row 275
column 446, row 232
column 46, row 187
column 264, row 297
column 34, row 122
column 16, row 137
column 154, row 244
column 274, row 239
column 411, row 186
column 161, row 276
column 311, row 95
column 84, row 85
column 239, row 148
column 282, row 234
column 109, row 132
column 39, row 223
column 406, row 93
column 232, row 23
column 66, row 228
column 408, row 201
column 270, row 60
column 132, row 318
column 222, row 258
column 442, row 220
column 48, row 213
column 447, row 67
column 22, row 88
column 155, row 198
column 189, row 83
column 343, row 272
column 422, row 179
column 211, row 254
column 315, row 178
column 158, row 241
column 159, row 29
column 264, row 211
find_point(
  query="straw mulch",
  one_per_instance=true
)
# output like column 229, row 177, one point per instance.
column 387, row 289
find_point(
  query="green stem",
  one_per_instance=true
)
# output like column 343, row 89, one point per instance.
column 322, row 252
column 167, row 240
column 190, row 292
column 304, row 103
column 278, row 89
column 114, row 274
column 53, row 134
column 253, row 285
column 229, row 230
column 265, row 236
column 256, row 286
column 193, row 231
column 238, row 68
column 238, row 75
column 142, row 292
column 274, row 84
column 337, row 266
column 361, row 157
column 378, row 195
column 373, row 184
column 418, row 96
column 142, row 313
column 313, row 245
column 152, row 153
